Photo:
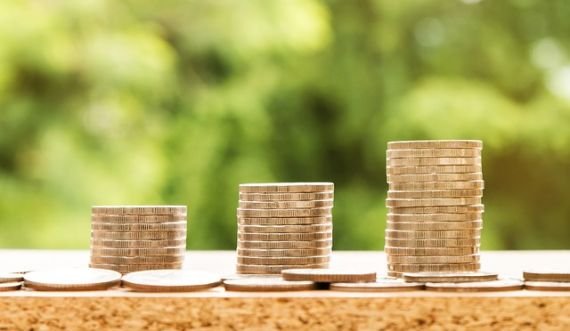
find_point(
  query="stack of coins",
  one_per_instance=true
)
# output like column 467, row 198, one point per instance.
column 434, row 205
column 283, row 226
column 134, row 238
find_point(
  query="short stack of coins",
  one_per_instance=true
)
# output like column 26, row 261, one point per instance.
column 284, row 226
column 135, row 238
column 434, row 205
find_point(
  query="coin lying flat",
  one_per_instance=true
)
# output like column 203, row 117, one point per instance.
column 267, row 284
column 553, row 275
column 284, row 220
column 70, row 279
column 126, row 268
column 138, row 210
column 285, row 187
column 432, row 242
column 488, row 286
column 285, row 204
column 129, row 219
column 11, row 286
column 265, row 213
column 170, row 226
column 428, row 161
column 285, row 236
column 434, row 226
column 418, row 186
column 283, row 260
column 286, row 196
column 329, row 275
column 126, row 252
column 111, row 243
column 433, row 259
column 435, row 194
column 273, row 269
column 546, row 286
column 432, row 144
column 170, row 280
column 284, row 228
column 10, row 277
column 437, row 209
column 431, row 251
column 441, row 169
column 380, row 285
column 136, row 259
column 284, row 252
column 450, row 277
column 433, row 202
column 258, row 244
column 434, row 178
column 142, row 235
column 434, row 267
column 435, row 217
column 434, row 152
column 433, row 234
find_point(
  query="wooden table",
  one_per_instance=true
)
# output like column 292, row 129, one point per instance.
column 314, row 310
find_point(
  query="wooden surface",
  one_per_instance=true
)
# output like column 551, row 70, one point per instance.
column 327, row 310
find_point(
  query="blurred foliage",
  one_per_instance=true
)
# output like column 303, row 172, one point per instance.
column 134, row 102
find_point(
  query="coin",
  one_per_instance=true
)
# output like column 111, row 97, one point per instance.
column 72, row 279
column 393, row 259
column 285, row 204
column 417, row 186
column 126, row 268
column 450, row 277
column 285, row 187
column 170, row 280
column 397, row 203
column 286, row 196
column 138, row 210
column 285, row 236
column 136, row 259
column 433, row 194
column 437, row 209
column 434, row 267
column 436, row 234
column 284, row 252
column 171, row 226
column 435, row 217
column 434, row 152
column 285, row 220
column 432, row 242
column 283, row 260
column 431, row 251
column 284, row 228
column 138, row 218
column 179, row 250
column 434, row 178
column 10, row 277
column 417, row 144
column 111, row 243
column 548, row 275
column 11, row 286
column 488, row 286
column 308, row 212
column 273, row 269
column 329, row 275
column 436, row 161
column 284, row 244
column 266, row 284
column 545, row 286
column 442, row 169
column 142, row 235
column 380, row 285
column 431, row 226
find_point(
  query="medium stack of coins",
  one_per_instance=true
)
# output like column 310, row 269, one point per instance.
column 434, row 205
column 283, row 226
column 134, row 238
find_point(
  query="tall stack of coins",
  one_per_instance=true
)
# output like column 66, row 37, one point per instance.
column 434, row 205
column 135, row 238
column 283, row 226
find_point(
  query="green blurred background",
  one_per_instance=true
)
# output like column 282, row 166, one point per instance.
column 140, row 102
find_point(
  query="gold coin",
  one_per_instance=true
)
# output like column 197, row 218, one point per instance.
column 395, row 259
column 137, row 218
column 432, row 242
column 136, row 259
column 431, row 251
column 548, row 275
column 437, row 209
column 285, row 187
column 329, row 275
column 433, row 144
column 10, row 277
column 420, row 186
column 380, row 285
column 285, row 204
column 450, row 277
column 434, row 217
column 434, row 267
column 284, row 244
column 444, row 169
column 171, row 226
column 124, row 268
column 111, row 243
column 426, row 161
column 490, row 286
column 435, row 194
column 284, row 228
column 545, row 286
column 141, row 235
column 267, row 284
column 285, row 236
column 273, row 269
column 433, row 226
column 286, row 196
column 283, row 260
column 433, row 152
column 397, row 203
column 434, row 178
column 265, row 213
column 285, row 220
column 71, row 279
column 12, row 286
column 170, row 280
column 284, row 252
column 435, row 234
column 138, row 251
column 138, row 210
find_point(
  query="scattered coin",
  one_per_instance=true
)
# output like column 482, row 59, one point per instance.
column 286, row 196
column 285, row 228
column 170, row 226
column 432, row 144
column 437, row 209
column 285, row 187
column 433, row 202
column 434, row 178
column 329, row 275
column 126, row 268
column 453, row 267
column 111, row 243
column 140, row 235
column 272, row 221
column 284, row 252
column 431, row 251
column 419, row 186
column 434, row 152
column 265, row 213
column 394, row 259
column 432, row 242
column 435, row 217
column 86, row 279
column 10, row 277
column 284, row 244
column 138, row 210
column 435, row 194
column 285, row 204
column 283, row 260
column 170, row 280
column 487, row 286
column 434, row 226
column 425, row 161
column 285, row 236
column 11, row 286
column 266, row 284
column 433, row 234
column 442, row 169
column 450, row 277
column 553, row 275
column 273, row 269
column 546, row 286
column 380, row 285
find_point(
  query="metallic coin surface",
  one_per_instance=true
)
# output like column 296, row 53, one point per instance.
column 434, row 178
column 437, row 209
column 285, row 187
column 136, row 259
column 432, row 226
column 285, row 204
column 432, row 242
column 10, row 277
column 141, row 235
column 286, row 196
column 434, row 234
column 433, row 259
column 285, row 236
column 488, row 286
column 180, row 250
column 546, row 286
column 72, row 279
column 330, row 275
column 450, row 277
column 442, row 169
column 436, row 161
column 434, row 267
column 267, row 284
column 432, row 144
column 380, row 285
column 435, row 194
column 127, row 227
column 431, row 251
column 265, row 213
column 434, row 152
column 251, row 260
column 285, row 220
column 284, row 228
column 120, row 219
column 170, row 280
column 126, row 268
column 284, row 244
column 11, row 286
column 285, row 252
column 431, row 186
column 551, row 275
column 272, row 269
column 138, row 210
column 434, row 217
column 111, row 243
column 433, row 202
